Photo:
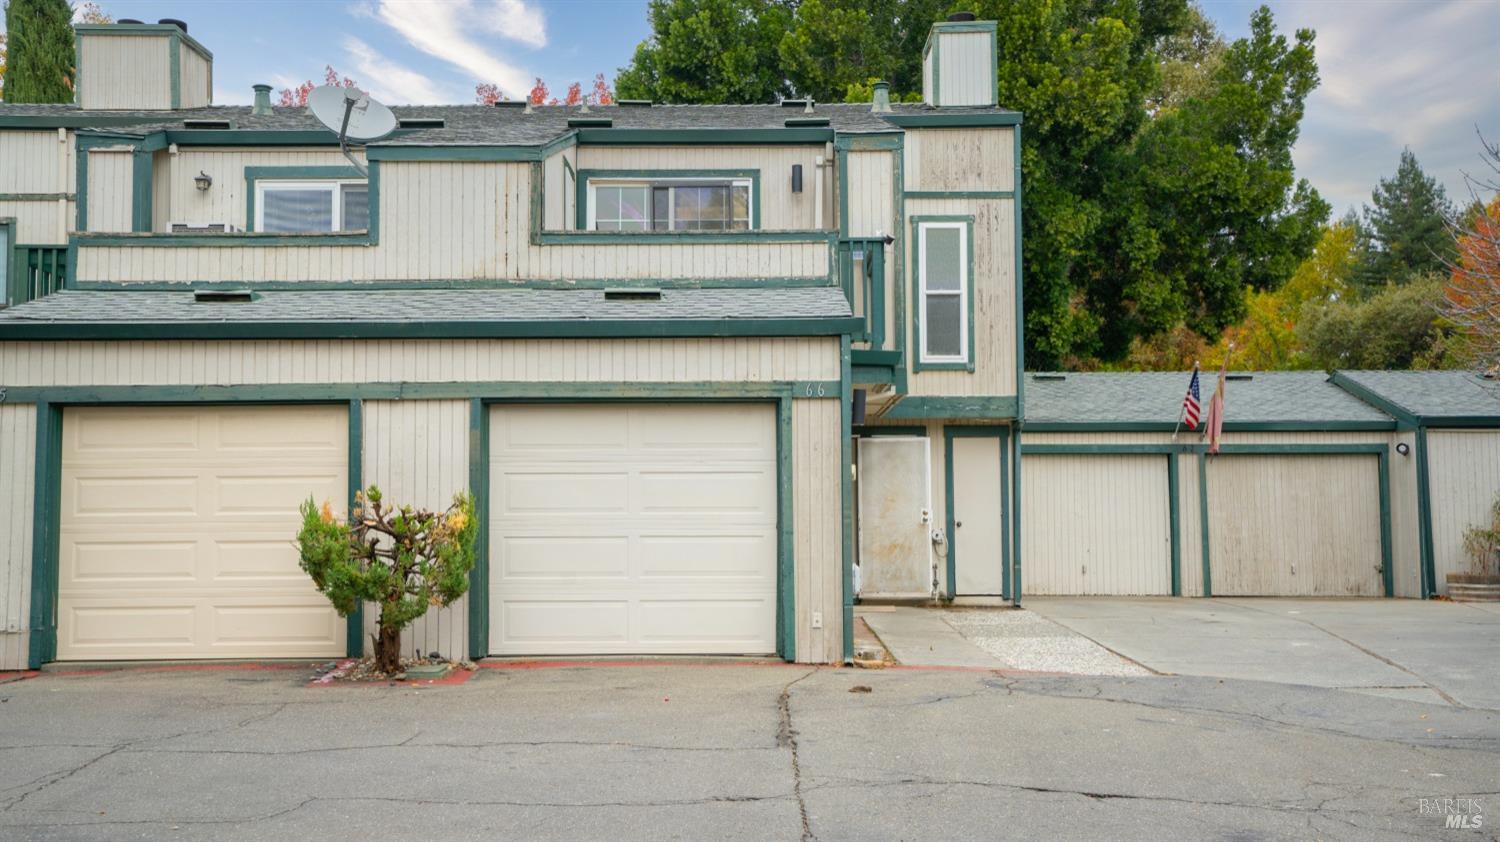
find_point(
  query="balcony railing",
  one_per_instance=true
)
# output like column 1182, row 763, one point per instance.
column 861, row 265
column 36, row 271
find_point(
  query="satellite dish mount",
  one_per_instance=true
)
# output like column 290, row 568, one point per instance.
column 354, row 115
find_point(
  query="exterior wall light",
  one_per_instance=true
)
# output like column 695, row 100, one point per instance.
column 1403, row 448
column 203, row 181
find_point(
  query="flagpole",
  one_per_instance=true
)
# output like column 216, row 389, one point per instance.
column 1182, row 410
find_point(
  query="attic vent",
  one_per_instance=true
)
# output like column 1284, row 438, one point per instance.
column 421, row 123
column 590, row 122
column 794, row 103
column 221, row 296
column 1239, row 377
column 511, row 103
column 633, row 294
column 793, row 122
column 633, row 103
column 207, row 124
column 1045, row 378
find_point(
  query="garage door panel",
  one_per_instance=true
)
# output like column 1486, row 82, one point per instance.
column 633, row 529
column 176, row 551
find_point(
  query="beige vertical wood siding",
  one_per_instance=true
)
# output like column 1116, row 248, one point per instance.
column 225, row 201
column 41, row 223
column 780, row 208
column 994, row 300
column 960, row 159
column 17, row 476
column 125, row 71
column 1463, row 475
column 872, row 213
column 1096, row 524
column 161, row 191
column 730, row 360
column 197, row 79
column 417, row 452
column 1294, row 525
column 966, row 68
column 559, row 204
column 111, row 179
column 817, row 523
column 36, row 162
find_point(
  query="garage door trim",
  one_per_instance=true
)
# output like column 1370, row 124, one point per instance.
column 1387, row 574
column 479, row 484
column 46, row 517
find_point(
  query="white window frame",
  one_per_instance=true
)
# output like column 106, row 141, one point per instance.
column 332, row 185
column 648, row 183
column 962, row 293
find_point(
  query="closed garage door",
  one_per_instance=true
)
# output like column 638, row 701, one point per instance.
column 633, row 528
column 1095, row 524
column 1295, row 525
column 177, row 527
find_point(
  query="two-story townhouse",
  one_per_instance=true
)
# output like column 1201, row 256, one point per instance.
column 654, row 341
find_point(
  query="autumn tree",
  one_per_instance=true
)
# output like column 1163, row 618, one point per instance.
column 298, row 96
column 488, row 93
column 1471, row 299
column 39, row 62
column 600, row 94
column 538, row 94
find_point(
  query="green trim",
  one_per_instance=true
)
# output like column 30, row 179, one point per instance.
column 1174, row 521
column 925, row 406
column 786, row 563
column 872, row 285
column 1229, row 426
column 1387, row 564
column 953, row 121
column 174, row 64
column 1426, row 551
column 1205, row 557
column 449, row 283
column 454, row 153
column 874, row 357
column 703, row 137
column 1015, row 517
column 9, row 294
column 479, row 486
column 37, row 197
column 1018, row 316
column 1300, row 449
column 1370, row 397
column 142, row 29
column 962, row 26
column 354, row 637
column 243, row 239
column 893, row 430
column 631, row 238
column 590, row 122
column 898, row 285
column 846, row 494
column 960, row 194
column 540, row 392
column 969, row 294
column 841, row 159
column 253, row 137
column 47, row 482
column 1000, row 434
column 55, row 331
column 562, row 141
column 868, row 142
column 254, row 174
column 141, row 183
column 581, row 185
column 873, row 375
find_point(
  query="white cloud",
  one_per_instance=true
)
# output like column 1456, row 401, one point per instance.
column 463, row 32
column 388, row 81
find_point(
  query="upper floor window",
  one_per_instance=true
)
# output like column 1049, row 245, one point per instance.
column 669, row 205
column 944, row 309
column 306, row 207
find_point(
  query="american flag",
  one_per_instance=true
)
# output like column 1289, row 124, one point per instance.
column 1190, row 404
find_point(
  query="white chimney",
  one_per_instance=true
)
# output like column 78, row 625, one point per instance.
column 141, row 66
column 959, row 62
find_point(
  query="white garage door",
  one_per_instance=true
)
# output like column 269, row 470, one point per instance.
column 632, row 529
column 1295, row 525
column 1095, row 524
column 177, row 526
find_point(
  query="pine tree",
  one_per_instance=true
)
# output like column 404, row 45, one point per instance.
column 1404, row 232
column 40, row 64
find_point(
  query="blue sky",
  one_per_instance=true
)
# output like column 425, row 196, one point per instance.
column 1418, row 73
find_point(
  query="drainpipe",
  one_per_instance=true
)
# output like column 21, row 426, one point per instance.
column 262, row 105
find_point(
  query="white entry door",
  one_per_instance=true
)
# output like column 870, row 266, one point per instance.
column 978, row 516
column 895, row 517
column 620, row 528
column 177, row 529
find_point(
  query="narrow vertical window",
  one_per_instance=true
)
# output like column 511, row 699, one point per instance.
column 943, row 250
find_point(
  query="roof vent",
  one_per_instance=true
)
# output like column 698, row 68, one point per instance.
column 421, row 123
column 633, row 294
column 961, row 17
column 182, row 25
column 794, row 122
column 794, row 103
column 222, row 296
column 1239, row 377
column 633, row 103
column 590, row 122
column 262, row 105
column 1046, row 378
column 511, row 103
column 222, row 125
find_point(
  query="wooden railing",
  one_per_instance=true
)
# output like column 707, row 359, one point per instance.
column 861, row 268
column 35, row 272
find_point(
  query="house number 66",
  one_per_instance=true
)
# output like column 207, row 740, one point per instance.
column 814, row 390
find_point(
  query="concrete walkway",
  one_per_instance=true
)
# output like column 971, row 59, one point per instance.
column 1436, row 652
column 991, row 638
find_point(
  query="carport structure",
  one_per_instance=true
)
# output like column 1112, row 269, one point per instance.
column 1454, row 419
column 1299, row 501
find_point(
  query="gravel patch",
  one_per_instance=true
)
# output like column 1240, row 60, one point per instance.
column 1027, row 641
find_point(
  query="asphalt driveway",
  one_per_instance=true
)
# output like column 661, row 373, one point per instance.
column 1432, row 651
column 728, row 751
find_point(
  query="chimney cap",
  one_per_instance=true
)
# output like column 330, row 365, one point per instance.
column 261, row 86
column 961, row 17
column 182, row 25
column 129, row 21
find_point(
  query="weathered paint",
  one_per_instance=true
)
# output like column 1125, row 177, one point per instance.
column 17, row 471
column 963, row 64
column 417, row 453
column 195, row 79
column 1464, row 477
column 817, row 528
column 125, row 72
column 36, row 162
column 111, row 175
column 959, row 160
column 226, row 199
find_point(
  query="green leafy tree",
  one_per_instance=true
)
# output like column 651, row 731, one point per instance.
column 709, row 51
column 1405, row 229
column 39, row 63
column 1189, row 59
column 837, row 47
column 402, row 559
column 1398, row 327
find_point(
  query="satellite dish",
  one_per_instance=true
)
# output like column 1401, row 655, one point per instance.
column 352, row 115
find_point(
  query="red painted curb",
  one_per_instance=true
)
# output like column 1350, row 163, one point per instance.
column 245, row 667
column 547, row 665
column 10, row 676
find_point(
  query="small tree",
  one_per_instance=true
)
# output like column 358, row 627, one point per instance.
column 403, row 559
column 297, row 96
column 40, row 61
column 1482, row 543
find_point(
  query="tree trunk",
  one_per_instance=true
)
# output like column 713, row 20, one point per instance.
column 388, row 650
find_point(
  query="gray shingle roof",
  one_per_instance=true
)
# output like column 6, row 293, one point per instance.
column 1154, row 399
column 1433, row 394
column 483, row 125
column 423, row 306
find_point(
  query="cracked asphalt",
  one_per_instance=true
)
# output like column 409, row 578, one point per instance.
column 729, row 751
